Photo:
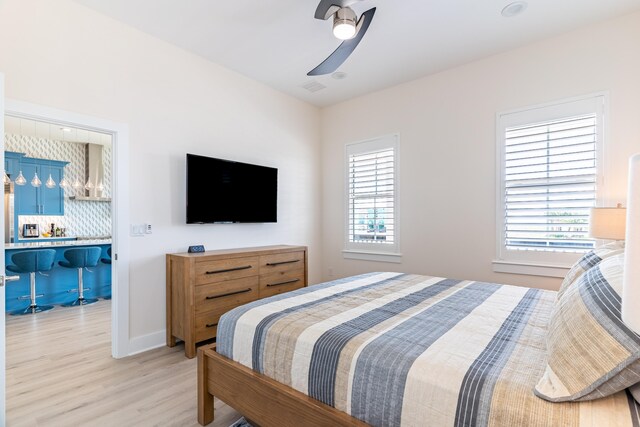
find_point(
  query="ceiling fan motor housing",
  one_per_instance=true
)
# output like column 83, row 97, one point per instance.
column 344, row 23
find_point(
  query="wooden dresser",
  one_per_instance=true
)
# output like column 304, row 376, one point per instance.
column 203, row 286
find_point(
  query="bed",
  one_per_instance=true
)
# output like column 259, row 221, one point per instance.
column 391, row 349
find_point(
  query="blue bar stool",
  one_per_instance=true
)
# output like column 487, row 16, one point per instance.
column 81, row 258
column 32, row 262
column 107, row 261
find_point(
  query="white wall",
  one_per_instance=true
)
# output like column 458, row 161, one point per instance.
column 63, row 55
column 446, row 124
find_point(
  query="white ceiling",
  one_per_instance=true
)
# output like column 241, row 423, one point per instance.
column 278, row 42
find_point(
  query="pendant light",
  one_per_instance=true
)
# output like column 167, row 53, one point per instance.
column 89, row 188
column 63, row 183
column 20, row 180
column 77, row 185
column 36, row 181
column 50, row 182
column 99, row 189
column 6, row 179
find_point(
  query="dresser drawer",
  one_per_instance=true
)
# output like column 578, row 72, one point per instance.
column 202, row 287
column 284, row 262
column 280, row 282
column 206, row 325
column 225, row 269
column 226, row 295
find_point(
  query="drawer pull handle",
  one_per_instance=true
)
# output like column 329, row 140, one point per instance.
column 211, row 325
column 272, row 264
column 229, row 293
column 226, row 270
column 283, row 283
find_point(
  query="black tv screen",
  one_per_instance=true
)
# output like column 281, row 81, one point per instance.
column 224, row 191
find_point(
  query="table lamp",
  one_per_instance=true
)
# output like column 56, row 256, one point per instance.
column 608, row 223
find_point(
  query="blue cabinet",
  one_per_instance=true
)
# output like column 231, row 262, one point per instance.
column 12, row 163
column 30, row 200
column 52, row 198
column 26, row 196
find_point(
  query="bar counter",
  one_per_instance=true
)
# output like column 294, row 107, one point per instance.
column 55, row 243
column 56, row 283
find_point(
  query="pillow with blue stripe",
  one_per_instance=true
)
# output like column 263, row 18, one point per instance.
column 588, row 260
column 635, row 392
column 591, row 353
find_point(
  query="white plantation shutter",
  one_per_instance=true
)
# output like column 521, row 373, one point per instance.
column 550, row 174
column 371, row 192
column 550, row 184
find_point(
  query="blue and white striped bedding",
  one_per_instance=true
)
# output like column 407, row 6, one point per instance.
column 394, row 349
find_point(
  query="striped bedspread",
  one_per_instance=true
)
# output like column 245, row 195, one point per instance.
column 394, row 349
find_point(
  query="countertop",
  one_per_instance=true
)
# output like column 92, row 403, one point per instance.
column 38, row 239
column 63, row 243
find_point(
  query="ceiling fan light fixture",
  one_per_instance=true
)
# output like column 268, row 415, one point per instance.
column 327, row 9
column 344, row 23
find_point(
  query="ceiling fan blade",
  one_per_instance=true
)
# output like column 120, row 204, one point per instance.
column 345, row 49
column 326, row 8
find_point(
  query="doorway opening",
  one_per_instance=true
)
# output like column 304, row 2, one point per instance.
column 57, row 205
column 88, row 196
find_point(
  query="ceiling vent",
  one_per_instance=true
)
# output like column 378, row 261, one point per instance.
column 313, row 86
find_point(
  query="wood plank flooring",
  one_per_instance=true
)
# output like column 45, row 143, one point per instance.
column 60, row 373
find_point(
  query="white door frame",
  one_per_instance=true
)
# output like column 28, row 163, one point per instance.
column 3, row 367
column 119, row 205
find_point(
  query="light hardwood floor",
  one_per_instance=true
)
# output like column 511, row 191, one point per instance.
column 60, row 373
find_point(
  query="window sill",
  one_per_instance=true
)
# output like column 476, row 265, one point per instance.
column 530, row 269
column 372, row 256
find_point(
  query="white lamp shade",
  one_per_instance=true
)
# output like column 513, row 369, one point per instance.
column 608, row 223
column 631, row 281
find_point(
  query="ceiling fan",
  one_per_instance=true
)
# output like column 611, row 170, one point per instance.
column 345, row 28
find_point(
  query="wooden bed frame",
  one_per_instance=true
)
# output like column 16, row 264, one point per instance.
column 259, row 398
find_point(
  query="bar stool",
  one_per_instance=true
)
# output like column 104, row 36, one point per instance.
column 81, row 258
column 107, row 261
column 32, row 262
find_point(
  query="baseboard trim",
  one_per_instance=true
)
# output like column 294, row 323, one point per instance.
column 147, row 342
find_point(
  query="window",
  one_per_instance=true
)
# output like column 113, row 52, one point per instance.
column 550, row 171
column 372, row 208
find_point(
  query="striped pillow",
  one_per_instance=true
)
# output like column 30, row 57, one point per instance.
column 591, row 353
column 635, row 392
column 588, row 260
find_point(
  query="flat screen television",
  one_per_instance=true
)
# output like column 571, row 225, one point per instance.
column 224, row 191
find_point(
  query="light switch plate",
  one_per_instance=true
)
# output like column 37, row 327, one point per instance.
column 137, row 230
